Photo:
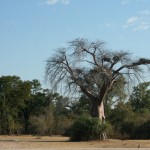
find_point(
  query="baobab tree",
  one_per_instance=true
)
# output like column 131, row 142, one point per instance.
column 90, row 68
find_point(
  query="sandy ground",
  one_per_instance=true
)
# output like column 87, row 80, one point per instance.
column 58, row 142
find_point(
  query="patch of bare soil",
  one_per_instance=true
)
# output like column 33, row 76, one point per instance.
column 46, row 142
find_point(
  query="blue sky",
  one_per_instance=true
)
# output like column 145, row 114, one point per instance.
column 31, row 30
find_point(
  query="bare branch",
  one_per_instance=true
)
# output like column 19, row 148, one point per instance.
column 89, row 66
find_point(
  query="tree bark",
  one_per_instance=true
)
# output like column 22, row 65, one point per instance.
column 97, row 109
column 98, row 103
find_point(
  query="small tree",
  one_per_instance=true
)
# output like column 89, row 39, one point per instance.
column 140, row 97
column 90, row 68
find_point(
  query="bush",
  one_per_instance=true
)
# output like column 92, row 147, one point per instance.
column 39, row 125
column 137, row 130
column 143, row 131
column 86, row 128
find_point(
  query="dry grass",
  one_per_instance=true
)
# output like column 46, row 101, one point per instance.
column 45, row 142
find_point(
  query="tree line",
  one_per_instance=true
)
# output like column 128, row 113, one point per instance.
column 26, row 108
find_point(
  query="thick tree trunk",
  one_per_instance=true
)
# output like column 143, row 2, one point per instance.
column 97, row 109
column 101, row 111
column 98, row 103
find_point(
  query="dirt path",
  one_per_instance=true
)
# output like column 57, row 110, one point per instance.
column 56, row 142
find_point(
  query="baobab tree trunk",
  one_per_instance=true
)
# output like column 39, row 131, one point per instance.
column 98, row 103
column 98, row 106
column 97, row 109
column 101, row 111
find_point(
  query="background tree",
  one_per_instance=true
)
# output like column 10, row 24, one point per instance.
column 18, row 101
column 130, row 119
column 92, row 69
column 35, row 101
column 26, row 108
column 10, row 102
column 80, row 107
column 140, row 97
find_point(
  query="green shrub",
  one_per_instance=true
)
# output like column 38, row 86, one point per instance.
column 139, row 128
column 143, row 131
column 86, row 128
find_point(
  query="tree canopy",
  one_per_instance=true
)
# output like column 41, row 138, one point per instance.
column 92, row 69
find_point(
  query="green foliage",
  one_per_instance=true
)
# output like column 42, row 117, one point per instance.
column 26, row 108
column 137, row 128
column 140, row 97
column 143, row 131
column 87, row 128
column 81, row 107
column 130, row 120
column 136, row 121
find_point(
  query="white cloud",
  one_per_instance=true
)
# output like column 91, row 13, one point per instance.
column 139, row 22
column 108, row 24
column 66, row 2
column 132, row 20
column 111, row 25
column 53, row 2
column 145, row 12
column 142, row 26
column 126, row 2
column 140, row 0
